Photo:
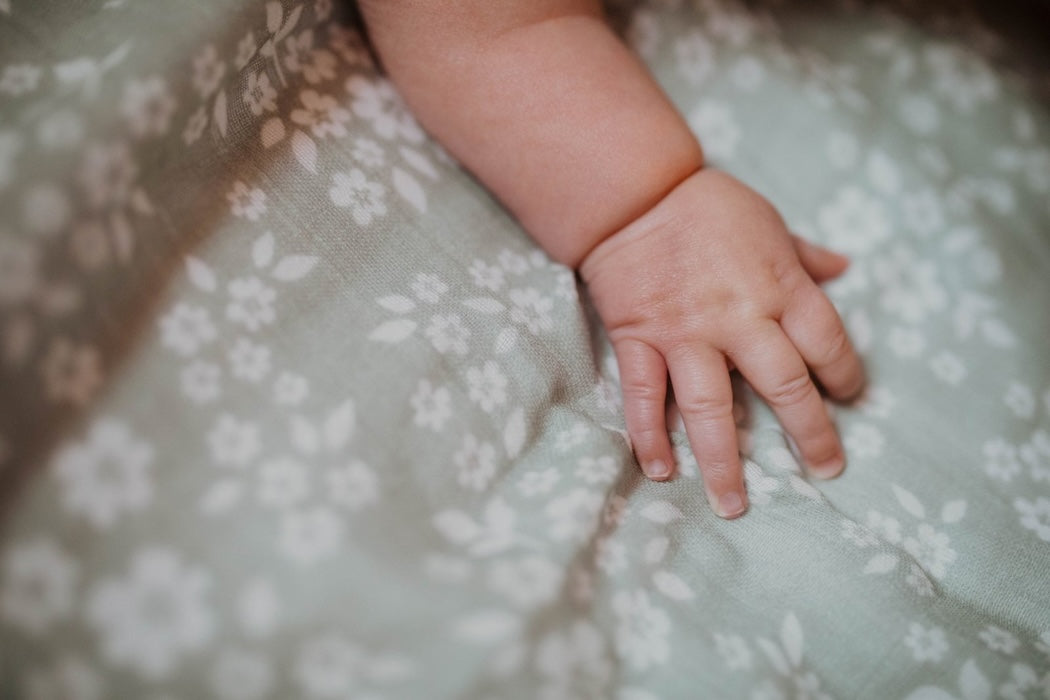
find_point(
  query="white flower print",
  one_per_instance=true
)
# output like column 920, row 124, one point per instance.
column 930, row 549
column 537, row 483
column 574, row 515
column 597, row 470
column 717, row 128
column 532, row 309
column 150, row 618
column 307, row 536
column 283, row 483
column 1000, row 640
column 695, row 57
column 290, row 389
column 72, row 373
column 734, row 651
column 239, row 674
column 477, row 463
column 1025, row 682
column 147, row 106
column 300, row 57
column 448, row 334
column 322, row 114
column 260, row 95
column 917, row 579
column 105, row 475
column 610, row 556
column 911, row 289
column 245, row 202
column 858, row 534
column 365, row 199
column 368, row 152
column 487, row 276
column 19, row 79
column 186, row 329
column 1001, row 460
column 208, row 70
column 429, row 287
column 573, row 663
column 1020, row 399
column 889, row 529
column 233, row 442
column 258, row 609
column 1036, row 454
column 60, row 129
column 526, row 582
column 854, row 221
column 352, row 486
column 37, row 581
column 513, row 263
column 926, row 643
column 642, row 631
column 432, row 405
column 348, row 45
column 327, row 666
column 199, row 381
column 19, row 270
column 906, row 342
column 919, row 113
column 948, row 367
column 864, row 441
column 67, row 678
column 961, row 77
column 1035, row 515
column 322, row 9
column 376, row 101
column 487, row 386
column 251, row 303
column 249, row 361
column 107, row 174
column 923, row 212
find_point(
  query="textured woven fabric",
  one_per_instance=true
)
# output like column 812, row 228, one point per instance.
column 290, row 407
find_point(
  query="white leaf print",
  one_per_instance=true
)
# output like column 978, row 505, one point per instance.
column 485, row 305
column 775, row 657
column 289, row 25
column 457, row 526
column 305, row 151
column 655, row 550
column 953, row 511
column 514, row 433
column 304, row 436
column 272, row 132
column 262, row 250
column 274, row 15
column 997, row 333
column 803, row 487
column 396, row 303
column 219, row 112
column 393, row 331
column 487, row 626
column 672, row 586
column 791, row 639
column 909, row 502
column 293, row 267
column 408, row 188
column 972, row 682
column 339, row 426
column 661, row 512
column 418, row 161
column 881, row 564
column 221, row 497
column 200, row 274
column 506, row 340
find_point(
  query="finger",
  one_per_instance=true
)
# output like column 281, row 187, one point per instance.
column 643, row 376
column 775, row 369
column 705, row 399
column 821, row 264
column 816, row 330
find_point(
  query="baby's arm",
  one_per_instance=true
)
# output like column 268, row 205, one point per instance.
column 688, row 268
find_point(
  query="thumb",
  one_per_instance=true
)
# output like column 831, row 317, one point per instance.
column 821, row 264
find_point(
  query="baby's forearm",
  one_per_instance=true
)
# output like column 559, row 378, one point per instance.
column 544, row 104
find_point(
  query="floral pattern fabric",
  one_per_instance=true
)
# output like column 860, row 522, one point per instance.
column 290, row 407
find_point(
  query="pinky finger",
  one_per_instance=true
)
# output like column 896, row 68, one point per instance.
column 643, row 375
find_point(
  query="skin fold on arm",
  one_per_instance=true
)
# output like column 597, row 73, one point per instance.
column 691, row 271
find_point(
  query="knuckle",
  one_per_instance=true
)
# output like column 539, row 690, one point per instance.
column 720, row 471
column 837, row 346
column 791, row 391
column 705, row 408
column 638, row 389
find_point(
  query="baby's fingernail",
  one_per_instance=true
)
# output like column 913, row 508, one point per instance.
column 828, row 470
column 730, row 505
column 657, row 469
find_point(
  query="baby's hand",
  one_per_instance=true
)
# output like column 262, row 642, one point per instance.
column 711, row 278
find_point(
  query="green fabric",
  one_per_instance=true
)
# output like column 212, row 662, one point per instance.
column 290, row 407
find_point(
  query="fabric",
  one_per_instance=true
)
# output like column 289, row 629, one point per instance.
column 290, row 407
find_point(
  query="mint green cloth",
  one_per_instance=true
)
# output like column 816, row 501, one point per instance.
column 291, row 408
